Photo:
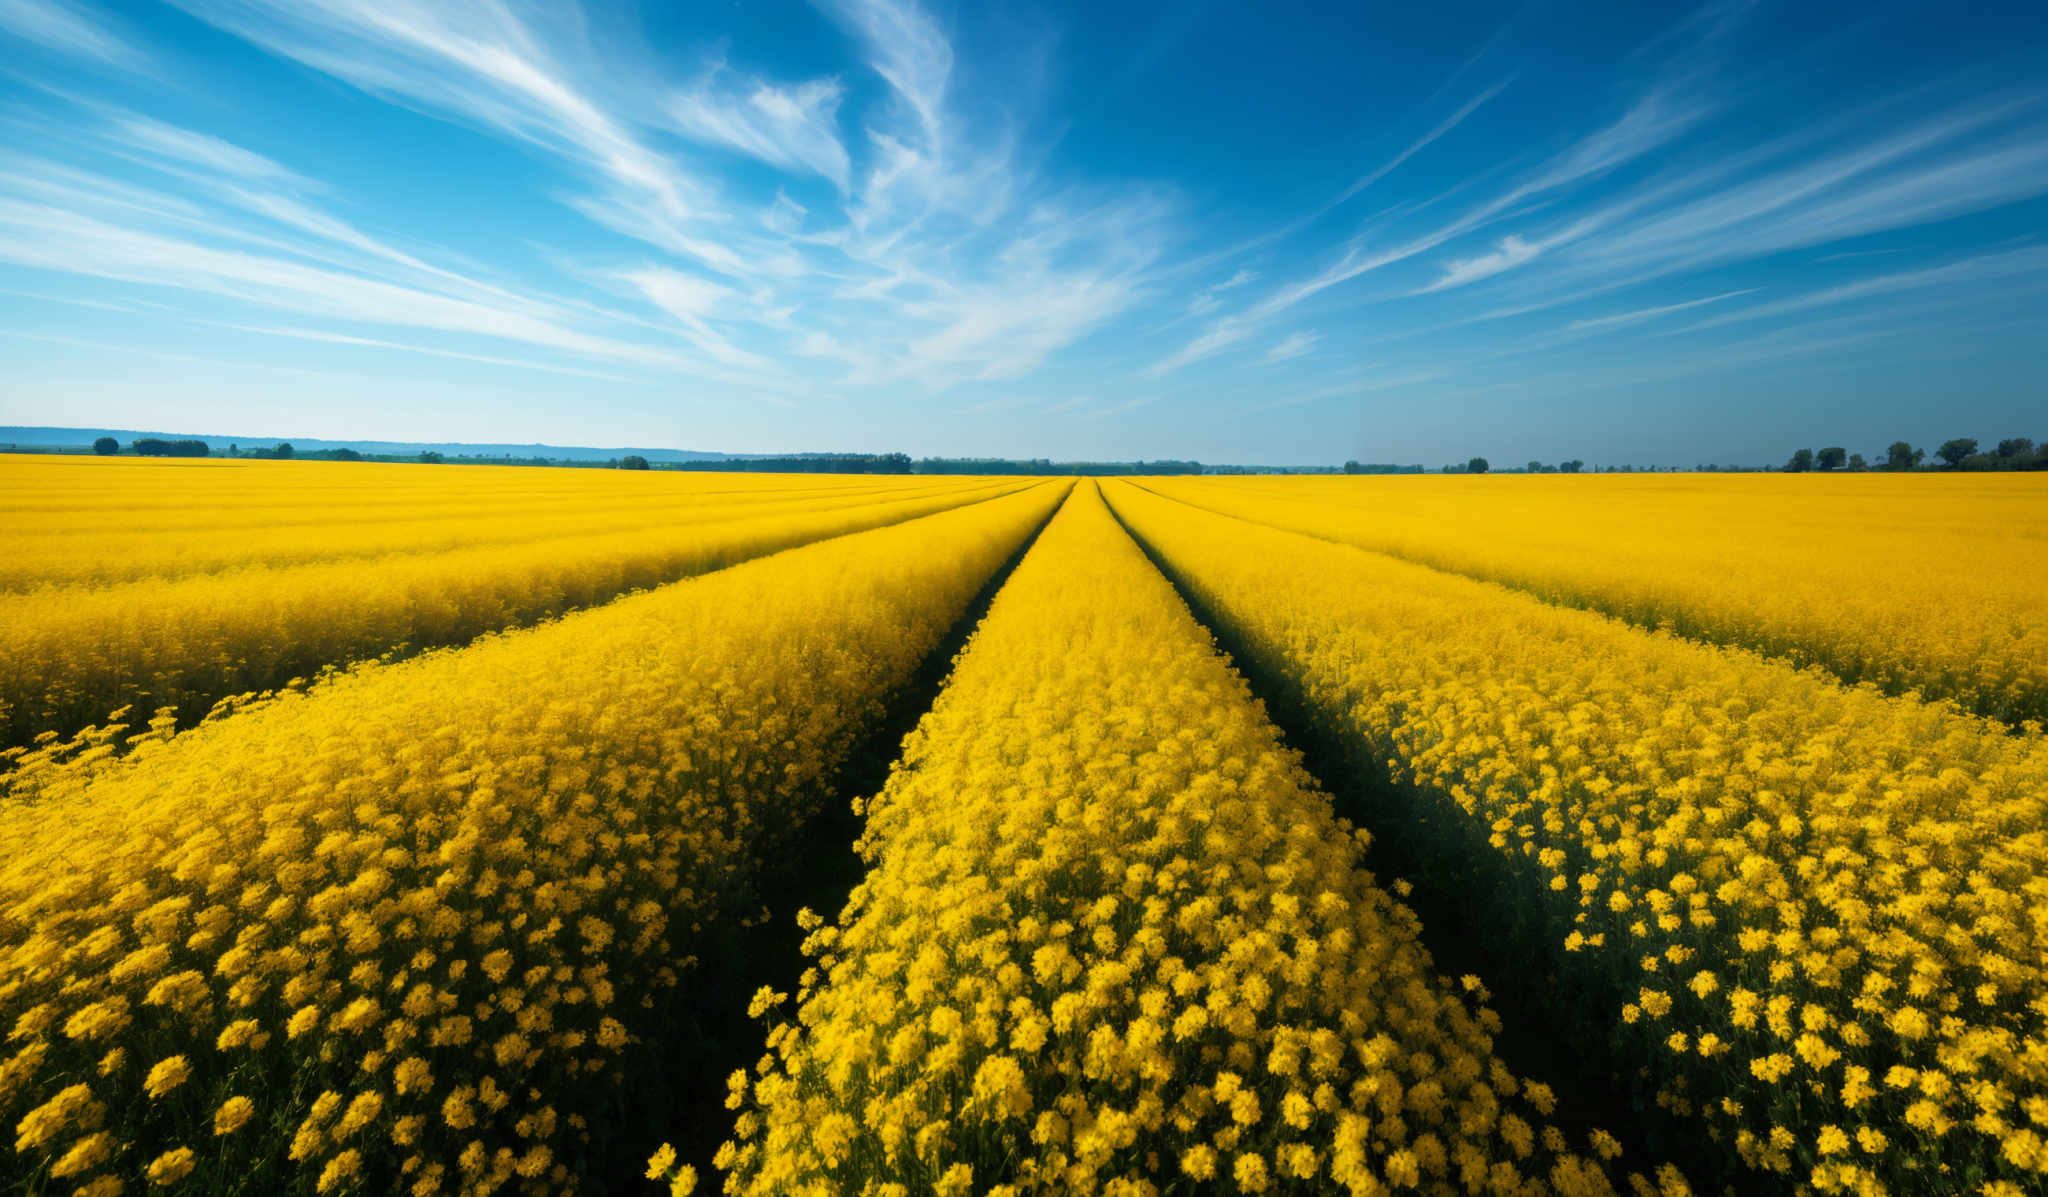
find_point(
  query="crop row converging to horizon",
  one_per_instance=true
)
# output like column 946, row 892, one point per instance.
column 1676, row 836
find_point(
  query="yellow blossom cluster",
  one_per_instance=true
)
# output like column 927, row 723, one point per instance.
column 70, row 654
column 396, row 931
column 1912, row 582
column 1821, row 911
column 1113, row 940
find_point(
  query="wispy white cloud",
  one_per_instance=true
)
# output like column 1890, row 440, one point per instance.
column 334, row 338
column 1640, row 315
column 192, row 151
column 483, row 64
column 794, row 127
column 950, row 256
column 898, row 222
column 1352, row 387
column 905, row 47
column 1422, row 143
column 70, row 27
column 75, row 301
column 52, row 239
column 1983, row 268
column 1965, row 160
column 1644, row 126
column 1296, row 344
column 1511, row 252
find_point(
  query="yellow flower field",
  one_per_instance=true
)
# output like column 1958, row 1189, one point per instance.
column 1821, row 911
column 395, row 932
column 67, row 521
column 1914, row 582
column 70, row 654
column 1449, row 836
column 1112, row 940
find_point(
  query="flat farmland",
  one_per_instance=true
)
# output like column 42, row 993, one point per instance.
column 596, row 830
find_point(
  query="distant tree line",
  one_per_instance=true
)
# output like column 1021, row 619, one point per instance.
column 151, row 446
column 1041, row 465
column 2014, row 453
column 154, row 446
column 1963, row 453
column 902, row 463
column 806, row 463
column 1479, row 465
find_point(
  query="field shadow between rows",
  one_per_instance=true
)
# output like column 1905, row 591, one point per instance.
column 674, row 1091
column 1423, row 839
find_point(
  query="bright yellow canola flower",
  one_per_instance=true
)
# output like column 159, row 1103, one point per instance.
column 415, row 914
column 1913, row 582
column 70, row 655
column 1113, row 940
column 1822, row 911
column 85, row 521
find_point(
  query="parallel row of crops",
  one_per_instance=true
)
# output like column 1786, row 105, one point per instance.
column 175, row 518
column 1113, row 940
column 1820, row 913
column 1912, row 583
column 400, row 930
column 71, row 654
column 425, row 924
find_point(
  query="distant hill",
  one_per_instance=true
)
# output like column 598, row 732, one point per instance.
column 86, row 436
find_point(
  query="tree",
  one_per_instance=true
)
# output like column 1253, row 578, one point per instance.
column 1801, row 462
column 2018, row 446
column 1833, row 457
column 1574, row 466
column 1536, row 467
column 632, row 461
column 429, row 457
column 106, row 446
column 1857, row 464
column 1902, row 456
column 345, row 454
column 1956, row 451
column 1477, row 466
column 1351, row 467
column 284, row 449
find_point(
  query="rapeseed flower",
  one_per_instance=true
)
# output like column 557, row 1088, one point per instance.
column 1829, row 878
column 1111, row 934
column 498, row 859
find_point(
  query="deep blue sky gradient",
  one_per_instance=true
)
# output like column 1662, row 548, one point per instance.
column 1282, row 233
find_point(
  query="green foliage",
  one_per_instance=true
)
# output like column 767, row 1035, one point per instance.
column 152, row 446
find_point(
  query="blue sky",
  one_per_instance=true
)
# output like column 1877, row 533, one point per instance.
column 1279, row 233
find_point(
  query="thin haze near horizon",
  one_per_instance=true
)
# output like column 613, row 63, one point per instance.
column 1268, row 234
